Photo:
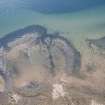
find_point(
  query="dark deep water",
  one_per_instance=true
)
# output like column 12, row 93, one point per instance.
column 61, row 6
column 49, row 6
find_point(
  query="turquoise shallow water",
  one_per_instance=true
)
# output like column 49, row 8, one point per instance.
column 76, row 26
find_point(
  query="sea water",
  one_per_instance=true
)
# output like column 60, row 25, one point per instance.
column 76, row 26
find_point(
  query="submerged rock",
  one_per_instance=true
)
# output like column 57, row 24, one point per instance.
column 58, row 91
column 4, row 72
column 53, row 47
column 21, row 33
column 36, row 35
column 100, row 43
column 32, row 89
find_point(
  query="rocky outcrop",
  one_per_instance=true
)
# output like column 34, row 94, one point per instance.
column 72, row 56
column 33, row 89
column 100, row 43
column 37, row 35
column 20, row 33
column 4, row 72
column 53, row 47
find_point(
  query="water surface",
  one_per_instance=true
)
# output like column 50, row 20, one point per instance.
column 77, row 24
